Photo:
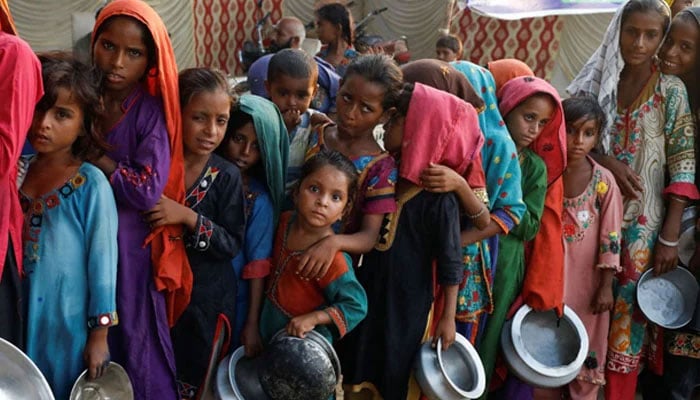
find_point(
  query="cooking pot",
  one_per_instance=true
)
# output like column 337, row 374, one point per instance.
column 452, row 374
column 542, row 349
column 669, row 299
column 20, row 378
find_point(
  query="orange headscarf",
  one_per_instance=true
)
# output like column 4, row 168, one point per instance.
column 171, row 268
column 7, row 24
column 507, row 69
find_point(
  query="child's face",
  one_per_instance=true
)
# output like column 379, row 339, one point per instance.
column 445, row 54
column 243, row 149
column 526, row 121
column 121, row 54
column 581, row 138
column 393, row 134
column 679, row 5
column 680, row 49
column 291, row 94
column 326, row 31
column 640, row 37
column 204, row 121
column 322, row 197
column 55, row 130
column 359, row 106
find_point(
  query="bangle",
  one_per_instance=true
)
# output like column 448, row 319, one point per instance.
column 478, row 214
column 665, row 242
column 677, row 198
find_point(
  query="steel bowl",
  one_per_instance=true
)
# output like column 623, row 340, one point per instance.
column 686, row 240
column 452, row 374
column 113, row 384
column 20, row 378
column 224, row 389
column 244, row 376
column 542, row 349
column 669, row 299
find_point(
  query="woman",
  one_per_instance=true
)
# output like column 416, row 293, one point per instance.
column 648, row 145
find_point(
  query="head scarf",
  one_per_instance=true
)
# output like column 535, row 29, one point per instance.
column 439, row 128
column 442, row 76
column 171, row 268
column 551, row 143
column 7, row 24
column 507, row 69
column 274, row 144
column 601, row 73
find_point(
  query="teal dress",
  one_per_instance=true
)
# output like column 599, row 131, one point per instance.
column 70, row 263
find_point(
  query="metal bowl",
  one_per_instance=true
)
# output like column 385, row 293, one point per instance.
column 244, row 376
column 542, row 349
column 20, row 378
column 452, row 374
column 669, row 299
column 686, row 240
column 113, row 384
column 224, row 389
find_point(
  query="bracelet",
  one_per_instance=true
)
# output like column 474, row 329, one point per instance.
column 477, row 215
column 665, row 242
column 677, row 198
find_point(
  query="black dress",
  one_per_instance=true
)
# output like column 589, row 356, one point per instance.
column 398, row 278
column 217, row 196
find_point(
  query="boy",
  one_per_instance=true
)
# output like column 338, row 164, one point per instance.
column 448, row 48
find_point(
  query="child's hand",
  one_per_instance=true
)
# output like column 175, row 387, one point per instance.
column 301, row 325
column 440, row 179
column 96, row 353
column 469, row 236
column 291, row 118
column 251, row 340
column 603, row 299
column 446, row 330
column 320, row 119
column 317, row 259
column 167, row 212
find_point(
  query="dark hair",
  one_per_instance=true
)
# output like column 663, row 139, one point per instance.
column 586, row 107
column 60, row 71
column 193, row 81
column 339, row 14
column 404, row 99
column 645, row 6
column 451, row 42
column 335, row 159
column 381, row 70
column 294, row 63
column 146, row 37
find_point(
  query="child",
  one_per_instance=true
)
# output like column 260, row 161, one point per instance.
column 213, row 219
column 335, row 28
column 365, row 99
column 131, row 46
column 592, row 218
column 70, row 231
column 398, row 274
column 448, row 48
column 649, row 124
column 256, row 141
column 334, row 304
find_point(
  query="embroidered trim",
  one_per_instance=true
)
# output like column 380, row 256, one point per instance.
column 338, row 319
column 200, row 190
column 103, row 320
column 204, row 230
column 387, row 232
column 135, row 177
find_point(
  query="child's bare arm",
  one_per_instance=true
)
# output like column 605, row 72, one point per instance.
column 301, row 325
column 603, row 299
column 250, row 337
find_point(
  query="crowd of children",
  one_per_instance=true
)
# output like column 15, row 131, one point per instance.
column 155, row 205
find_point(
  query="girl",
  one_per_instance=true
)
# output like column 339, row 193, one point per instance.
column 365, row 99
column 70, row 231
column 336, row 30
column 592, row 218
column 257, row 142
column 131, row 46
column 429, row 127
column 213, row 219
column 648, row 145
column 334, row 304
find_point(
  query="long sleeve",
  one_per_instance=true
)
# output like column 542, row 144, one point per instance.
column 101, row 234
column 610, row 232
column 443, row 231
column 346, row 298
column 534, row 188
column 503, row 180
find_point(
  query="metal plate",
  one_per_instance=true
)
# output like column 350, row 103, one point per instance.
column 20, row 378
column 113, row 384
column 668, row 300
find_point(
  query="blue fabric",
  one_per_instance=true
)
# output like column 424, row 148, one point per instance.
column 70, row 262
column 257, row 245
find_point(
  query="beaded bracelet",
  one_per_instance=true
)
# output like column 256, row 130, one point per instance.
column 666, row 242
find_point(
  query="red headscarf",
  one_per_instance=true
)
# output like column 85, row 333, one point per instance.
column 171, row 268
column 507, row 69
column 543, row 288
column 442, row 129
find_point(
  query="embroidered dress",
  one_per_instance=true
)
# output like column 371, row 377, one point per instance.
column 592, row 243
column 338, row 293
column 253, row 261
column 655, row 136
column 217, row 197
column 375, row 187
column 70, row 265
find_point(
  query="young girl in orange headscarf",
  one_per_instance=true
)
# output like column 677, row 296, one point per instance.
column 142, row 125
